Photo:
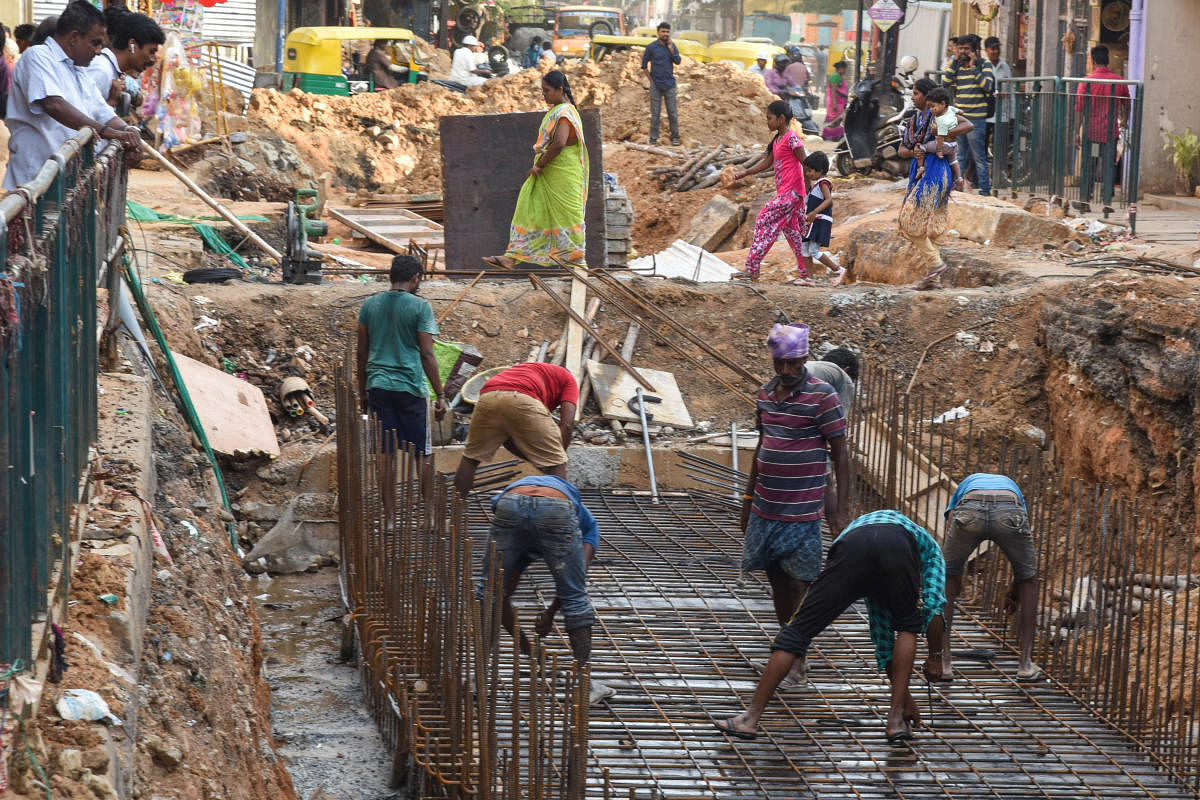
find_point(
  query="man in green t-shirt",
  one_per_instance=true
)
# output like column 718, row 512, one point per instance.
column 395, row 356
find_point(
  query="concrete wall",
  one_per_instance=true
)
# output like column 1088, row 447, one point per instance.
column 1171, row 103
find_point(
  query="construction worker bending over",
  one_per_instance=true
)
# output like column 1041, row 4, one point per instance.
column 545, row 516
column 897, row 566
column 514, row 410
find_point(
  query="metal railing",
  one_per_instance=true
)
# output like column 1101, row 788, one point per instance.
column 466, row 714
column 60, row 229
column 1068, row 137
column 1119, row 597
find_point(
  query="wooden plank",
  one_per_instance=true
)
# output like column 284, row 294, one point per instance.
column 233, row 412
column 574, row 352
column 614, row 387
column 365, row 230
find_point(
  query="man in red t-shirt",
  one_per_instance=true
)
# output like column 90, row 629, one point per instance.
column 514, row 410
column 1107, row 105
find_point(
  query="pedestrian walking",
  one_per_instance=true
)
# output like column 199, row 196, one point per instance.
column 52, row 96
column 925, row 207
column 548, row 222
column 544, row 516
column 819, row 217
column 785, row 212
column 974, row 83
column 658, row 62
column 514, row 411
column 800, row 424
column 896, row 565
column 1101, row 110
column 394, row 359
column 990, row 507
column 836, row 99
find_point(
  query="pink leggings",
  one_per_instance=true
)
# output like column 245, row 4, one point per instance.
column 784, row 214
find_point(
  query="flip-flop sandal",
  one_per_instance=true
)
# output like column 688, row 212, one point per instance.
column 496, row 262
column 724, row 727
column 1033, row 677
column 802, row 282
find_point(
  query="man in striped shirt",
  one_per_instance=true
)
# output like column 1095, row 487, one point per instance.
column 800, row 419
column 974, row 83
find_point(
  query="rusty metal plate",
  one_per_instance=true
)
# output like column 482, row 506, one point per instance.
column 485, row 159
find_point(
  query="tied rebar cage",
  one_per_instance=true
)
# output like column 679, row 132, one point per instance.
column 60, row 231
column 466, row 713
column 1119, row 606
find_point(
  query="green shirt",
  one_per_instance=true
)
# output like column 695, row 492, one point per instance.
column 393, row 320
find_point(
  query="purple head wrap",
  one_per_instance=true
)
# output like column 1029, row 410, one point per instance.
column 788, row 341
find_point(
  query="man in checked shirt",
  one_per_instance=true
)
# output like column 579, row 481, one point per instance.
column 898, row 567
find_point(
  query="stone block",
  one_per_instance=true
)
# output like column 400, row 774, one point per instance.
column 715, row 223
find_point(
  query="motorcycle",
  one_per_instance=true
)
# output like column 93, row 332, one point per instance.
column 797, row 100
column 871, row 140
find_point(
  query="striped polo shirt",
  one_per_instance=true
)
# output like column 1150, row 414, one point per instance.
column 972, row 88
column 794, row 437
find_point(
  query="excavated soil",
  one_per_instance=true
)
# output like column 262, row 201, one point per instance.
column 390, row 141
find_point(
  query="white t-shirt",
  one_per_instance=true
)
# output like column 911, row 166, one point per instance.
column 462, row 68
column 43, row 71
column 104, row 70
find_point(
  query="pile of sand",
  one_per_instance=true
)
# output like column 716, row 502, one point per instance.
column 389, row 141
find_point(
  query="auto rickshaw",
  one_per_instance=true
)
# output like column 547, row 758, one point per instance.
column 602, row 45
column 312, row 59
column 741, row 52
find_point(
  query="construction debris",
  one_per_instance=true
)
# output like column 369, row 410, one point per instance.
column 715, row 223
column 233, row 411
column 683, row 260
column 703, row 167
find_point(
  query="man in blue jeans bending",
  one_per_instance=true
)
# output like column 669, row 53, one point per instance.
column 658, row 62
column 991, row 507
column 544, row 515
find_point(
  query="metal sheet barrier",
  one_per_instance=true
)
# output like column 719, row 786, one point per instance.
column 1119, row 603
column 1068, row 137
column 60, row 230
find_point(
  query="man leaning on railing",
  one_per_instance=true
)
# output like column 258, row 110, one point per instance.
column 52, row 96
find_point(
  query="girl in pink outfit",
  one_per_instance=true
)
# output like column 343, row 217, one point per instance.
column 785, row 213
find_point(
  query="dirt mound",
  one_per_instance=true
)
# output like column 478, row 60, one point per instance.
column 390, row 141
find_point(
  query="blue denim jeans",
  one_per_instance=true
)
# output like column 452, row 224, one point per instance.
column 975, row 146
column 524, row 527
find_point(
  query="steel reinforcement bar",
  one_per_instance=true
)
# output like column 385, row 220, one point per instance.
column 467, row 715
column 1119, row 603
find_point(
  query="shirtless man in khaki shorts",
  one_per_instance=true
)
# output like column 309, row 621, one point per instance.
column 514, row 411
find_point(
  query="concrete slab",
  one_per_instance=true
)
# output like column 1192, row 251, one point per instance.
column 714, row 223
column 233, row 412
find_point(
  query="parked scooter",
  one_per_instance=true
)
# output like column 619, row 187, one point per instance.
column 871, row 140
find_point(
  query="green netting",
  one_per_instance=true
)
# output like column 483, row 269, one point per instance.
column 215, row 241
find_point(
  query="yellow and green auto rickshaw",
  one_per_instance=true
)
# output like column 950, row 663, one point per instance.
column 312, row 58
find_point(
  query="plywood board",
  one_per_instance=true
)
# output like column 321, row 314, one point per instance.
column 233, row 412
column 614, row 387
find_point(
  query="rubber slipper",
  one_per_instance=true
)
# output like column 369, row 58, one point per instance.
column 724, row 727
column 900, row 737
column 1031, row 677
column 496, row 262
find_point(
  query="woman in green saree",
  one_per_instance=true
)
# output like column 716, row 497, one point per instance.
column 548, row 220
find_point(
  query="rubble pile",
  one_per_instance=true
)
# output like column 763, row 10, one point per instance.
column 390, row 140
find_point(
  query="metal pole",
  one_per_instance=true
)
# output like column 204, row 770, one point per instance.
column 733, row 456
column 646, row 443
column 282, row 19
column 858, row 44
